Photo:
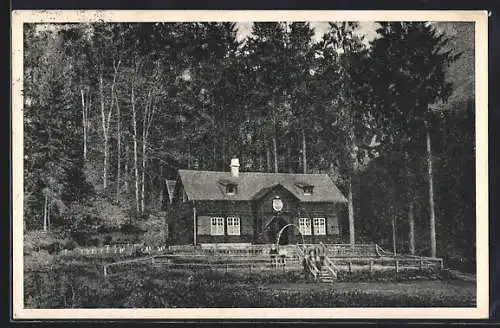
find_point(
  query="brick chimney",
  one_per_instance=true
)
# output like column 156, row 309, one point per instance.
column 235, row 167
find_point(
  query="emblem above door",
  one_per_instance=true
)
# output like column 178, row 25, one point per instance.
column 277, row 204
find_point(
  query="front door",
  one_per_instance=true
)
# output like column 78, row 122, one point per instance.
column 275, row 227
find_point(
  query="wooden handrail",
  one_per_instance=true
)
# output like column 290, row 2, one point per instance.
column 331, row 266
column 314, row 270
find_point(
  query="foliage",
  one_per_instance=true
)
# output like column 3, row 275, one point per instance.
column 410, row 86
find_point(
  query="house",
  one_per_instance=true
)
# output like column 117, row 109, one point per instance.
column 210, row 207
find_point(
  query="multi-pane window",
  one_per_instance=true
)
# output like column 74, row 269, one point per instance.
column 233, row 226
column 319, row 226
column 217, row 226
column 305, row 226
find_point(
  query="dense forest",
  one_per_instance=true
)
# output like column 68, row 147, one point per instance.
column 111, row 110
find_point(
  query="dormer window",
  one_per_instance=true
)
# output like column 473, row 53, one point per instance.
column 230, row 186
column 306, row 188
column 231, row 189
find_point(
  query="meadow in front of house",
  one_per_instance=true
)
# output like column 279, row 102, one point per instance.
column 81, row 284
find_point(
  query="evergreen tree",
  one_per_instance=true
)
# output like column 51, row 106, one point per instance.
column 346, row 115
column 409, row 64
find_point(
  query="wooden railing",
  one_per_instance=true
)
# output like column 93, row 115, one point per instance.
column 331, row 267
column 198, row 262
column 110, row 250
column 343, row 250
column 265, row 262
column 388, row 262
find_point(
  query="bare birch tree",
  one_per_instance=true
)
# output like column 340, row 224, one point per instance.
column 106, row 117
column 134, row 137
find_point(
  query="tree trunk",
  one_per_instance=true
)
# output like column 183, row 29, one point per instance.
column 214, row 158
column 289, row 159
column 275, row 151
column 431, row 196
column 394, row 235
column 352, row 168
column 163, row 183
column 143, row 170
column 45, row 214
column 84, row 117
column 261, row 162
column 147, row 119
column 268, row 158
column 107, row 120
column 126, row 168
column 143, row 157
column 412, row 227
column 136, row 172
column 350, row 209
column 304, row 154
column 118, row 144
column 409, row 195
column 48, row 218
column 105, row 133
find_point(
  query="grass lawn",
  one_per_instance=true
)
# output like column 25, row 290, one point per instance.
column 457, row 292
column 82, row 286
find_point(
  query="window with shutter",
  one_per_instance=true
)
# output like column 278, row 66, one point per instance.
column 217, row 226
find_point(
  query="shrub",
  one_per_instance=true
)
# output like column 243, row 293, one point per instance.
column 70, row 245
column 35, row 240
column 53, row 248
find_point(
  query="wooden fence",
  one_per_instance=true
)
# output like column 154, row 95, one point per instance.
column 172, row 263
column 344, row 257
column 384, row 263
column 342, row 250
column 238, row 263
column 112, row 250
column 216, row 250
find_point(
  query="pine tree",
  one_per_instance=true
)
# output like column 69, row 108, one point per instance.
column 409, row 64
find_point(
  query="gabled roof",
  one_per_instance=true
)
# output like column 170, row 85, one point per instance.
column 264, row 191
column 205, row 185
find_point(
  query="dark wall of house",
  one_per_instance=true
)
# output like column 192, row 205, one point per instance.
column 293, row 209
column 265, row 215
column 255, row 217
column 241, row 209
column 180, row 224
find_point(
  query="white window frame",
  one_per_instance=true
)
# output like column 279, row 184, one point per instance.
column 233, row 226
column 305, row 226
column 319, row 226
column 217, row 226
